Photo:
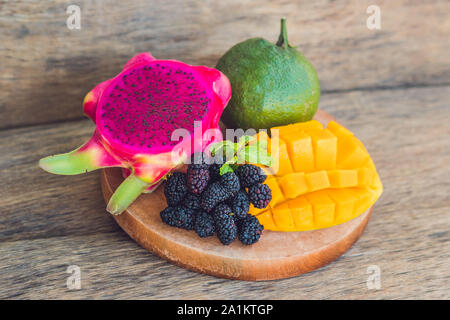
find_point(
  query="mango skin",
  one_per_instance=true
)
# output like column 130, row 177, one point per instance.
column 271, row 85
column 343, row 185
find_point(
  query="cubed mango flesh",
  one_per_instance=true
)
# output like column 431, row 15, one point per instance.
column 345, row 201
column 255, row 211
column 325, row 149
column 300, row 149
column 309, row 125
column 302, row 213
column 325, row 177
column 338, row 130
column 299, row 127
column 317, row 180
column 343, row 178
column 350, row 155
column 283, row 218
column 282, row 163
column 365, row 176
column 377, row 185
column 266, row 219
column 323, row 208
column 293, row 184
column 366, row 197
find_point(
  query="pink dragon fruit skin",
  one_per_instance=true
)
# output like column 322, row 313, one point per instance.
column 135, row 114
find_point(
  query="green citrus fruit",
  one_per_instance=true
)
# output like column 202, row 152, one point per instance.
column 272, row 84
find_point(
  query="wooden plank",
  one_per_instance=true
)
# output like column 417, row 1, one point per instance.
column 47, row 68
column 37, row 204
column 49, row 222
column 113, row 266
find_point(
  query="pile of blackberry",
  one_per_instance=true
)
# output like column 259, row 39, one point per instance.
column 209, row 203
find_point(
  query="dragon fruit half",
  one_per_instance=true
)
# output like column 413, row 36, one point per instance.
column 136, row 114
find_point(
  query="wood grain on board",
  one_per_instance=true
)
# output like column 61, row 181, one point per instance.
column 47, row 68
column 49, row 222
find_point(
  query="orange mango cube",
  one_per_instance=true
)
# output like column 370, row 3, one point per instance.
column 309, row 125
column 343, row 178
column 345, row 203
column 302, row 213
column 338, row 130
column 325, row 149
column 350, row 155
column 298, row 127
column 293, row 184
column 300, row 149
column 266, row 219
column 255, row 211
column 283, row 218
column 280, row 155
column 317, row 180
column 365, row 176
column 323, row 208
column 366, row 197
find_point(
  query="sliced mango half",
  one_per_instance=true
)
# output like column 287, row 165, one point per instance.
column 322, row 177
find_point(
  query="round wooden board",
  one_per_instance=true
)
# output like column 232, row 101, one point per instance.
column 277, row 255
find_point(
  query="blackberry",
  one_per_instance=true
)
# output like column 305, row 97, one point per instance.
column 230, row 182
column 219, row 191
column 197, row 177
column 214, row 194
column 260, row 195
column 192, row 201
column 240, row 204
column 204, row 225
column 214, row 168
column 214, row 171
column 226, row 228
column 179, row 217
column 250, row 174
column 175, row 188
column 222, row 209
column 249, row 229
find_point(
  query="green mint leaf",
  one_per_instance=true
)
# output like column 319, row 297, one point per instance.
column 225, row 168
column 234, row 166
column 224, row 148
column 241, row 152
column 254, row 154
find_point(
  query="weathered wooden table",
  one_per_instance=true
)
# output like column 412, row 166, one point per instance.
column 390, row 86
